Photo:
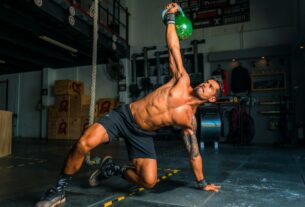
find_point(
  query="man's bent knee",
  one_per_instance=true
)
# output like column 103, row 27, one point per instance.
column 149, row 182
column 82, row 147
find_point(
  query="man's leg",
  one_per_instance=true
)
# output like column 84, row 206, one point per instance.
column 144, row 174
column 94, row 135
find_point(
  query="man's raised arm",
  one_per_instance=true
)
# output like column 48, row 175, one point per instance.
column 175, row 61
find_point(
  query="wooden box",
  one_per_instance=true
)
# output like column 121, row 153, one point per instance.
column 75, row 130
column 70, row 105
column 77, row 103
column 52, row 111
column 62, row 128
column 52, row 128
column 105, row 105
column 5, row 133
column 68, row 87
column 85, row 110
column 65, row 128
column 84, row 124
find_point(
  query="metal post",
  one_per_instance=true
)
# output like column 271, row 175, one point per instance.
column 134, row 67
column 113, row 15
column 157, row 54
column 145, row 51
column 127, row 26
column 158, row 64
column 119, row 16
column 195, row 44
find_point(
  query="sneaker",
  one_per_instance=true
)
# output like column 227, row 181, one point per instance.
column 106, row 169
column 52, row 198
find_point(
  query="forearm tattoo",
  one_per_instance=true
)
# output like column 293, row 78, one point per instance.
column 191, row 141
column 191, row 145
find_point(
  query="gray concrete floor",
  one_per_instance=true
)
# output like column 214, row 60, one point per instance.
column 254, row 176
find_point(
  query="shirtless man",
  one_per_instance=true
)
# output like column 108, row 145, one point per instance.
column 174, row 103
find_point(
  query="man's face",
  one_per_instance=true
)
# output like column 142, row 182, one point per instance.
column 207, row 90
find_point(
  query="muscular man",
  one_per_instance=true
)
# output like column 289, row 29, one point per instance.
column 174, row 103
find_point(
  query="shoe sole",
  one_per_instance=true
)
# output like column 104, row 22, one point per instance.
column 93, row 182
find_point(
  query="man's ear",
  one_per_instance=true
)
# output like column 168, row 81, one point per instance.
column 212, row 99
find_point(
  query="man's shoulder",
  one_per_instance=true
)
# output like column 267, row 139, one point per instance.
column 182, row 82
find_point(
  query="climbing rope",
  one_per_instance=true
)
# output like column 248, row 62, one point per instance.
column 96, row 160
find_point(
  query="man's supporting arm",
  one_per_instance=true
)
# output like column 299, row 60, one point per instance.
column 190, row 140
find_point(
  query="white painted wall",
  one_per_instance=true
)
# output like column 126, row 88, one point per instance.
column 24, row 95
column 29, row 98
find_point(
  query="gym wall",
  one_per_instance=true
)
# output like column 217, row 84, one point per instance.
column 146, row 27
column 25, row 95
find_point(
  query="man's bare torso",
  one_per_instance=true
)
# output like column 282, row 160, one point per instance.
column 167, row 105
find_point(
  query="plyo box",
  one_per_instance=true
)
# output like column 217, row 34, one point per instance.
column 5, row 133
column 105, row 105
column 71, row 105
column 68, row 87
column 64, row 128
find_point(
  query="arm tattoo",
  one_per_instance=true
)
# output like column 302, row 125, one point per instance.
column 194, row 123
column 191, row 145
column 191, row 141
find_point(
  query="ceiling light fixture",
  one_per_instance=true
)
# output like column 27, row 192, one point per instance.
column 2, row 61
column 59, row 44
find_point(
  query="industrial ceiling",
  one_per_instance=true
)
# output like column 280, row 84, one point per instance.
column 37, row 34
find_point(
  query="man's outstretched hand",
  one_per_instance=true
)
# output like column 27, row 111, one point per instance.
column 172, row 8
column 212, row 187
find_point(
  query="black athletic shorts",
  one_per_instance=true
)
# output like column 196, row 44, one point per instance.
column 120, row 123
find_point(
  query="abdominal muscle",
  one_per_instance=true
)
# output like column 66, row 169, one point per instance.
column 153, row 111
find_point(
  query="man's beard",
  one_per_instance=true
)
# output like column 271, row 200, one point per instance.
column 197, row 92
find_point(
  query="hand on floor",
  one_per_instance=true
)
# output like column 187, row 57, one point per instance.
column 212, row 187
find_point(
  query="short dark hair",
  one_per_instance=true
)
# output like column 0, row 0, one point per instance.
column 219, row 92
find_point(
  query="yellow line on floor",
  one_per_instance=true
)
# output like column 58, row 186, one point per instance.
column 120, row 198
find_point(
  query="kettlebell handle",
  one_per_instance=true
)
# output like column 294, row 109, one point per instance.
column 179, row 10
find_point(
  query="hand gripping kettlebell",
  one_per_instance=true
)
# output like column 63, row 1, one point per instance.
column 183, row 25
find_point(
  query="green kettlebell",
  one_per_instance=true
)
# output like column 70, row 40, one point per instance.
column 183, row 25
